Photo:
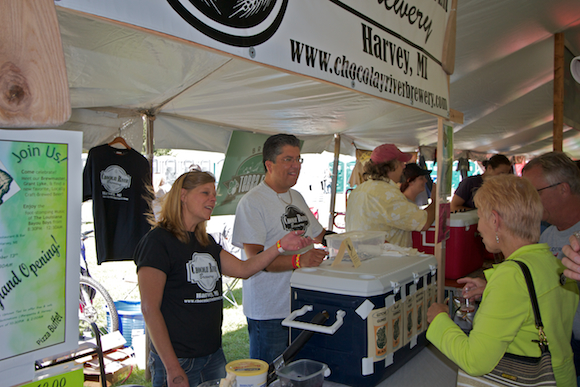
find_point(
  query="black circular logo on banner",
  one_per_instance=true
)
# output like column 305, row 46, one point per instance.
column 241, row 23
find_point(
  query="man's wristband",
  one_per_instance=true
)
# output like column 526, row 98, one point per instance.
column 296, row 261
column 279, row 247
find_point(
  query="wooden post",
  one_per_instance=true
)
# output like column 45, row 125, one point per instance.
column 558, row 91
column 439, row 247
column 334, row 180
column 33, row 82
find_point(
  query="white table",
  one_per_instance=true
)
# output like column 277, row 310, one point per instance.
column 428, row 368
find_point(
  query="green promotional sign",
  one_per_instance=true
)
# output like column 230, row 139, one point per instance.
column 33, row 236
column 242, row 170
column 447, row 167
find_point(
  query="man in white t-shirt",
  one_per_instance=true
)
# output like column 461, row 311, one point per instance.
column 557, row 180
column 263, row 216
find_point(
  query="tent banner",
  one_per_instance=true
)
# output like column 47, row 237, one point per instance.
column 391, row 49
column 243, row 170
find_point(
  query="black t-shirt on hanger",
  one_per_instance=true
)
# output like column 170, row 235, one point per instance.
column 118, row 181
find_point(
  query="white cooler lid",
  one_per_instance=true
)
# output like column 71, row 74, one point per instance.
column 461, row 219
column 373, row 277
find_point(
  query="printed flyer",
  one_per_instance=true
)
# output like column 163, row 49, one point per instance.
column 36, row 228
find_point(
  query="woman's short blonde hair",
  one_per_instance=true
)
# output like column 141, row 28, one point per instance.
column 516, row 201
column 170, row 216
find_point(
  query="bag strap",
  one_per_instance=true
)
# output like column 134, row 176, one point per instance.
column 543, row 340
column 532, row 291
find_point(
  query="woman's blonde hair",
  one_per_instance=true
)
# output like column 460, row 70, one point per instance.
column 516, row 201
column 170, row 217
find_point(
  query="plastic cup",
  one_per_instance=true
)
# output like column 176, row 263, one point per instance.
column 465, row 305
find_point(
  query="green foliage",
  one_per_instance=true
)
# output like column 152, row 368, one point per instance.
column 162, row 152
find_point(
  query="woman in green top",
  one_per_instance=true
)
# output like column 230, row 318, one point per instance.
column 510, row 211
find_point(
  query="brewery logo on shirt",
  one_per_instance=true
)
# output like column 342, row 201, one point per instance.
column 240, row 23
column 294, row 219
column 203, row 271
column 115, row 179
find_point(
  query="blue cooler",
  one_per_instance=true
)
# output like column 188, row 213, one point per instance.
column 377, row 314
column 131, row 322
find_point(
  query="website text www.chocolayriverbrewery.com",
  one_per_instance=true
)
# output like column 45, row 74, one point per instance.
column 384, row 50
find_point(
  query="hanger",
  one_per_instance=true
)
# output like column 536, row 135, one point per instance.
column 119, row 140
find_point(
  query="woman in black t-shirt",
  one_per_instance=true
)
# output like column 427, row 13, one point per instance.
column 179, row 267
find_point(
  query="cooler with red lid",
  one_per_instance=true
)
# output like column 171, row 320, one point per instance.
column 464, row 250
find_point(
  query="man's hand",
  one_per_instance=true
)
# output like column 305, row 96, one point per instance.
column 572, row 258
column 295, row 241
column 312, row 258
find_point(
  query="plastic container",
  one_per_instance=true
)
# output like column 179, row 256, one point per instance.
column 131, row 322
column 366, row 243
column 248, row 372
column 214, row 383
column 303, row 373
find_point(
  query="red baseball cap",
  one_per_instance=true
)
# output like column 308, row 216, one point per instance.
column 388, row 152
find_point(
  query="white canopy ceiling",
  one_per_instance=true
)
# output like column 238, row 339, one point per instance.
column 502, row 84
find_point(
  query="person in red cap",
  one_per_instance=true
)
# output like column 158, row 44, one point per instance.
column 379, row 205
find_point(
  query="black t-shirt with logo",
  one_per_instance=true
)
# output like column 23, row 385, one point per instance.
column 118, row 181
column 192, row 303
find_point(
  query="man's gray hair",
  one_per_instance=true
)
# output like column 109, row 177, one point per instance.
column 557, row 167
column 274, row 144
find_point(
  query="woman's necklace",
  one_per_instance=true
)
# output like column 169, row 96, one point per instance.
column 284, row 201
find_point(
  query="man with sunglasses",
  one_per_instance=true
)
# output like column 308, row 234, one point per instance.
column 265, row 213
column 557, row 179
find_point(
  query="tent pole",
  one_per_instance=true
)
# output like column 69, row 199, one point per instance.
column 334, row 180
column 149, row 138
column 149, row 145
column 558, row 130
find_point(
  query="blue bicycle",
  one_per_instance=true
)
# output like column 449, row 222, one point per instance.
column 95, row 303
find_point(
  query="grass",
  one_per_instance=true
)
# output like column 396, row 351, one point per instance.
column 235, row 340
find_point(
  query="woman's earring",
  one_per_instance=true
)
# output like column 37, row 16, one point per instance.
column 496, row 238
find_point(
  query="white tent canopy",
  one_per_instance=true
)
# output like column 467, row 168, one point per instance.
column 503, row 84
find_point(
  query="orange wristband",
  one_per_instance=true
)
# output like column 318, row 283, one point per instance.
column 279, row 247
column 296, row 261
